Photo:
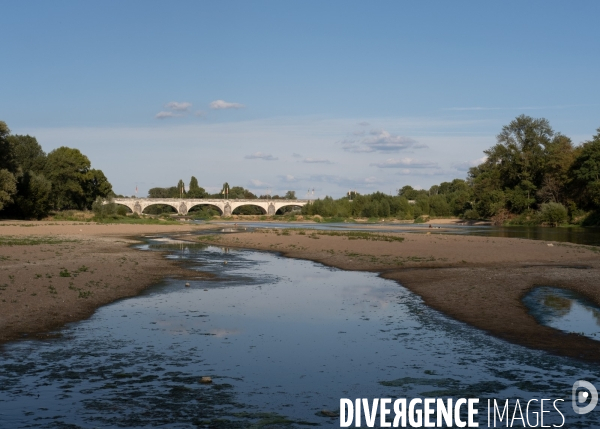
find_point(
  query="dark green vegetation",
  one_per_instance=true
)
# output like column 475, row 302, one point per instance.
column 31, row 241
column 32, row 183
column 531, row 176
column 350, row 235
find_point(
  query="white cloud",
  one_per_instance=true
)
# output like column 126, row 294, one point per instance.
column 364, row 124
column 296, row 155
column 165, row 115
column 261, row 155
column 259, row 184
column 381, row 141
column 465, row 165
column 288, row 178
column 316, row 161
column 404, row 163
column 199, row 113
column 177, row 106
column 221, row 104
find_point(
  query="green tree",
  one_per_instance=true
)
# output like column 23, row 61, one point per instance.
column 8, row 160
column 33, row 196
column 408, row 192
column 8, row 187
column 559, row 156
column 96, row 185
column 8, row 167
column 290, row 195
column 159, row 193
column 181, row 189
column 74, row 184
column 585, row 172
column 195, row 191
column 28, row 153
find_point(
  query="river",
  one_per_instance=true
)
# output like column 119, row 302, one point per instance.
column 282, row 339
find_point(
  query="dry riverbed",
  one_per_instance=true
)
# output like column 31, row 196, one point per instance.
column 477, row 280
column 52, row 273
column 59, row 272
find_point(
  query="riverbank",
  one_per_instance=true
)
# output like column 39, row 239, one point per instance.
column 52, row 273
column 476, row 280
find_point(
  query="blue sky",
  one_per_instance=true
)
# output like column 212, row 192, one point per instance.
column 276, row 95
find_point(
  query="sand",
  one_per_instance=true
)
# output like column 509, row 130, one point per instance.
column 476, row 280
column 98, row 266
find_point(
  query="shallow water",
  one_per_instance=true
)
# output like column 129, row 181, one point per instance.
column 587, row 236
column 565, row 310
column 282, row 339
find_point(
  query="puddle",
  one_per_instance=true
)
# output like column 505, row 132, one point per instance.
column 564, row 310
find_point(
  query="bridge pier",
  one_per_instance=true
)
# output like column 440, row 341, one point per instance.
column 182, row 209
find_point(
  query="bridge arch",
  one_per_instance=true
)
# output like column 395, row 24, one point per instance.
column 263, row 210
column 211, row 205
column 280, row 206
column 175, row 206
column 129, row 206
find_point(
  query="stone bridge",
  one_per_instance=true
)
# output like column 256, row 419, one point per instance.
column 226, row 207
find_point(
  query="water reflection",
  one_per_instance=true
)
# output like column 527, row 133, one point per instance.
column 282, row 340
column 587, row 236
column 565, row 310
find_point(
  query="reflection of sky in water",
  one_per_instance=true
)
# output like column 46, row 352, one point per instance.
column 565, row 310
column 277, row 335
column 570, row 235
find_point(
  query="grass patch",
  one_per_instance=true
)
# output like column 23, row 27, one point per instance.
column 355, row 235
column 85, row 294
column 135, row 220
column 32, row 241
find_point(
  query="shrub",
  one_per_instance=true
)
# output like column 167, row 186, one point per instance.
column 553, row 213
column 472, row 215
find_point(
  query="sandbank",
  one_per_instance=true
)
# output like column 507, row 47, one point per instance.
column 52, row 273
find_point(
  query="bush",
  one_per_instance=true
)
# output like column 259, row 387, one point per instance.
column 553, row 213
column 102, row 210
column 122, row 210
column 472, row 215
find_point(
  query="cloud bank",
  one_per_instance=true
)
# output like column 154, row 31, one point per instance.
column 380, row 141
column 261, row 155
column 221, row 104
column 165, row 115
column 179, row 107
column 316, row 161
column 405, row 163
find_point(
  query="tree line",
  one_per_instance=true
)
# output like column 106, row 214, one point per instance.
column 532, row 175
column 32, row 183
